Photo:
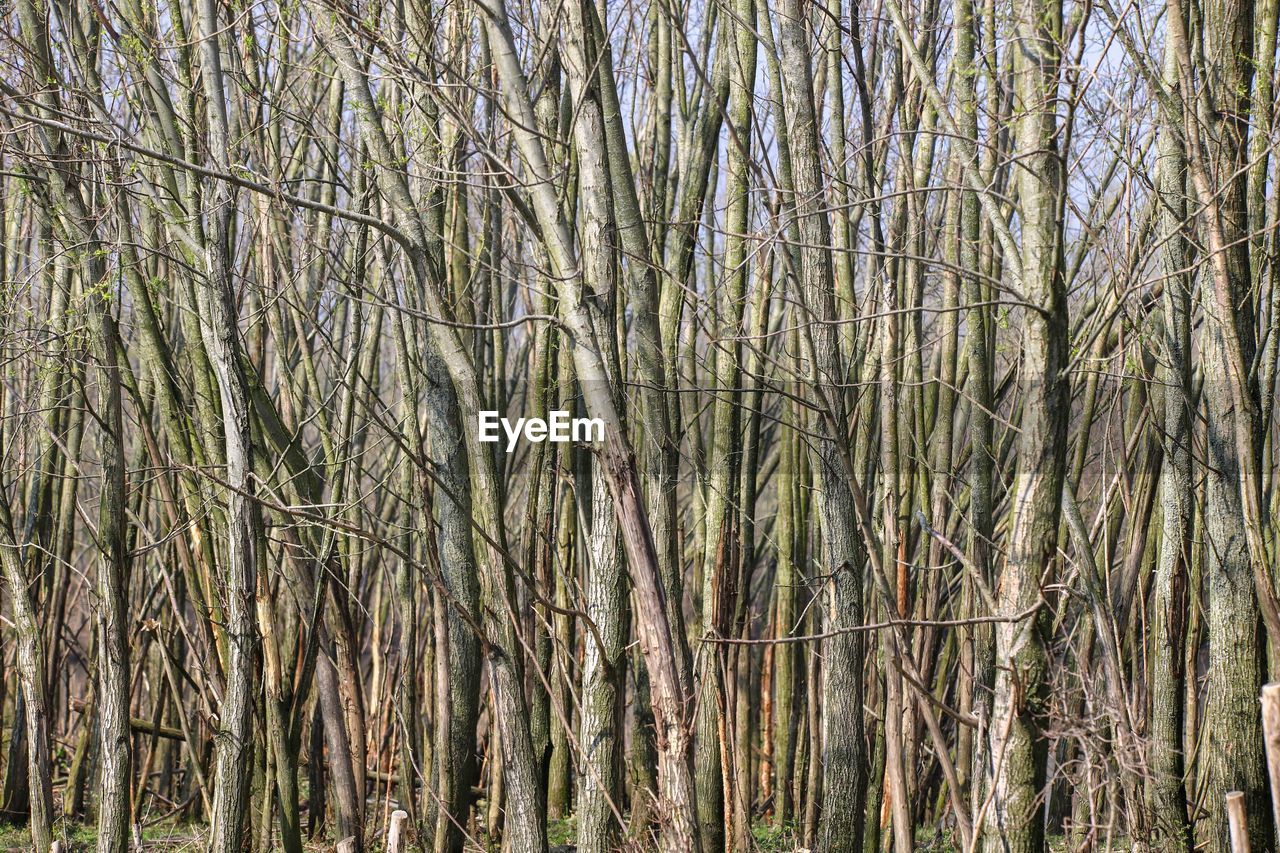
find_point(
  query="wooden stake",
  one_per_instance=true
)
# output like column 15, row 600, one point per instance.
column 1238, row 821
column 1271, row 737
column 396, row 830
column 348, row 844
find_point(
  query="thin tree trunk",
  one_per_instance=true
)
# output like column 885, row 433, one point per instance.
column 1017, row 748
column 1166, row 789
column 220, row 332
column 842, row 757
column 603, row 659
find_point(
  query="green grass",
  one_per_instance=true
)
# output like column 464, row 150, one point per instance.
column 936, row 842
column 562, row 831
column 77, row 836
column 168, row 836
column 173, row 837
column 774, row 839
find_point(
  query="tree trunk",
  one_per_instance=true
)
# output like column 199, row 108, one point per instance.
column 220, row 331
column 842, row 759
column 1017, row 748
column 1166, row 789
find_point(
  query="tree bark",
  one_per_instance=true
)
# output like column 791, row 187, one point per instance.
column 1017, row 748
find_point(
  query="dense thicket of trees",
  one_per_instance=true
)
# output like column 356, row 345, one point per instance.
column 935, row 345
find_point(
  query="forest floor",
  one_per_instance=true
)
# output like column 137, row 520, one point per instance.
column 172, row 837
column 78, row 837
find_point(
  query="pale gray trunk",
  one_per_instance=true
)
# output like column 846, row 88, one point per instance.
column 1166, row 788
column 221, row 335
column 30, row 664
column 1017, row 749
column 670, row 688
column 604, row 642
